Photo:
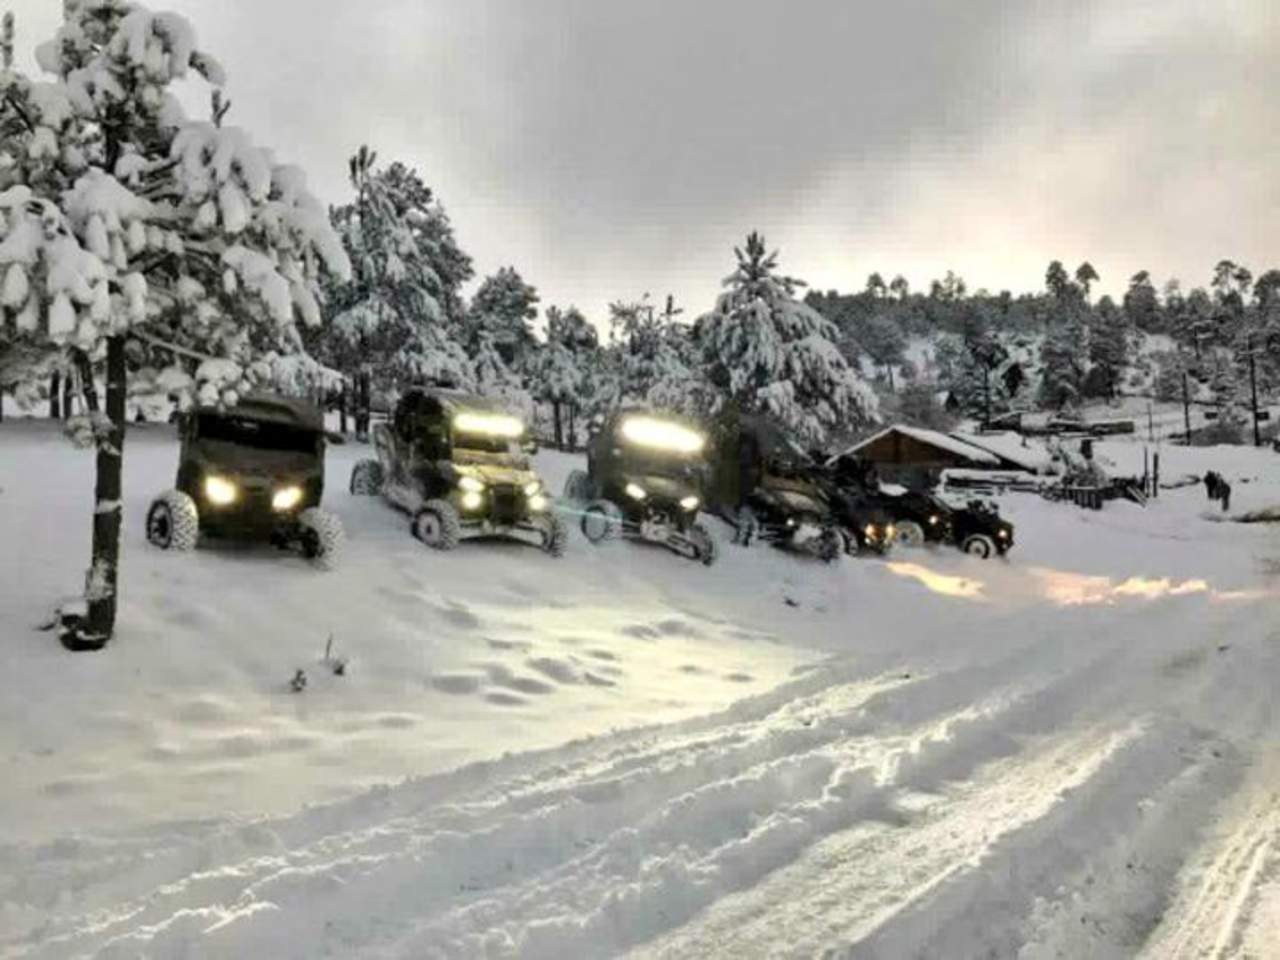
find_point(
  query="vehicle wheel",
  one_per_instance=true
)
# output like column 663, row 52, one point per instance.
column 910, row 533
column 554, row 534
column 830, row 546
column 746, row 527
column 577, row 487
column 601, row 521
column 437, row 525
column 173, row 522
column 366, row 478
column 322, row 537
column 703, row 545
column 979, row 545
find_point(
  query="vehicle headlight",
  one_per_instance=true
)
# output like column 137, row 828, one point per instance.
column 470, row 484
column 1003, row 534
column 933, row 520
column 870, row 530
column 532, row 487
column 471, row 500
column 286, row 498
column 219, row 490
column 690, row 503
column 889, row 531
column 537, row 502
column 635, row 491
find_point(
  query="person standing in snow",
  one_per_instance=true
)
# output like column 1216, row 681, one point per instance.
column 1211, row 485
column 1224, row 494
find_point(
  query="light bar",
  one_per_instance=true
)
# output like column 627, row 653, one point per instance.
column 492, row 424
column 662, row 435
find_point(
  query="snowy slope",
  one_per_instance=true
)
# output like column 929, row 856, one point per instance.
column 1069, row 754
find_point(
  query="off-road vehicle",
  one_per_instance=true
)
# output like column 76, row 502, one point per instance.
column 254, row 471
column 769, row 489
column 644, row 480
column 978, row 529
column 453, row 462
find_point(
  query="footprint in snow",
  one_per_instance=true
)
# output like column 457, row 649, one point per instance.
column 456, row 683
column 503, row 699
column 557, row 670
column 739, row 678
column 459, row 615
column 501, row 676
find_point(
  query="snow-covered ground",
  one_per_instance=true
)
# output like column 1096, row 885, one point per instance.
column 1071, row 753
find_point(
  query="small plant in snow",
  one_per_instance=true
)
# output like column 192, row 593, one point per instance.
column 299, row 681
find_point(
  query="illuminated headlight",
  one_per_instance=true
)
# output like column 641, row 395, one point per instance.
column 791, row 521
column 471, row 500
column 689, row 503
column 537, row 503
column 489, row 424
column 933, row 520
column 889, row 531
column 470, row 485
column 532, row 487
column 635, row 491
column 870, row 531
column 1003, row 534
column 662, row 435
column 286, row 498
column 219, row 490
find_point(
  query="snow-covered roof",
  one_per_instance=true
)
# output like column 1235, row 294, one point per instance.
column 1011, row 447
column 934, row 439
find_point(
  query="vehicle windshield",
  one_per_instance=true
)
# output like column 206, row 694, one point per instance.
column 468, row 441
column 258, row 434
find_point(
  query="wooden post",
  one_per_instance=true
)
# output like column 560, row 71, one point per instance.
column 1155, row 477
column 1146, row 471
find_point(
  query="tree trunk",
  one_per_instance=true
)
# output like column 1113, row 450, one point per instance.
column 1186, row 407
column 342, row 408
column 573, row 425
column 1253, row 387
column 55, row 395
column 88, row 389
column 68, row 394
column 102, row 591
column 555, row 416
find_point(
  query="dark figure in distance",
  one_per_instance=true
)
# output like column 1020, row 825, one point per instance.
column 1224, row 494
column 1211, row 482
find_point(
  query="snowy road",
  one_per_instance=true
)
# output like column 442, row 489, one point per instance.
column 1076, row 754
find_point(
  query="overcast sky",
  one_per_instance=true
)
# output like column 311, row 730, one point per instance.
column 607, row 147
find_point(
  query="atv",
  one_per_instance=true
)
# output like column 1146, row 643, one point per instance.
column 980, row 531
column 771, row 490
column 251, row 472
column 644, row 481
column 453, row 463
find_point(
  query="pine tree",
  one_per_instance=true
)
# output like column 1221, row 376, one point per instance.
column 398, row 320
column 560, row 377
column 502, row 311
column 1064, row 350
column 1108, row 347
column 768, row 353
column 130, row 234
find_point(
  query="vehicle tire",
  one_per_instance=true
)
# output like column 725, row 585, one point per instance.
column 703, row 544
column 830, row 546
column 554, row 534
column 910, row 533
column 173, row 522
column 577, row 487
column 746, row 527
column 322, row 537
column 979, row 545
column 601, row 521
column 438, row 525
column 366, row 478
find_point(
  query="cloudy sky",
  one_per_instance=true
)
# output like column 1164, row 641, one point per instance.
column 607, row 148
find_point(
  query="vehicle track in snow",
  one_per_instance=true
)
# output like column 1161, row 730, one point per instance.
column 1021, row 801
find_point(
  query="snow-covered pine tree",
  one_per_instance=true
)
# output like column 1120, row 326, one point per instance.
column 768, row 353
column 127, row 231
column 503, row 310
column 398, row 320
column 560, row 376
column 1063, row 353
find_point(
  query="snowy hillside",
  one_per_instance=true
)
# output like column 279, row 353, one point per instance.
column 1071, row 752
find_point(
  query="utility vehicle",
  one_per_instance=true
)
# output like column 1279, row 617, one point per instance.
column 770, row 490
column 254, row 471
column 454, row 463
column 644, row 481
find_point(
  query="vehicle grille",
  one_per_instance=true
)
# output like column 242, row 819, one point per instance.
column 506, row 504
